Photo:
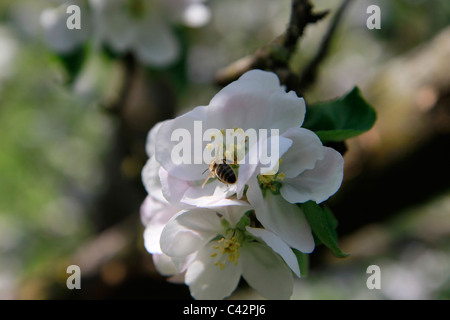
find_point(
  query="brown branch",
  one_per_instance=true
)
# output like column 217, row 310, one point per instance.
column 308, row 75
column 275, row 56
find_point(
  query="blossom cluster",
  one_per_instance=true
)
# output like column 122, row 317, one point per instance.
column 208, row 234
column 143, row 27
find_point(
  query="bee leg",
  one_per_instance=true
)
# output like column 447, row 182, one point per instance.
column 211, row 175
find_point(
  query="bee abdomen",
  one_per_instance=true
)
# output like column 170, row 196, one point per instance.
column 225, row 173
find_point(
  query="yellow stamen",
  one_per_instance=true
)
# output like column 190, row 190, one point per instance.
column 228, row 248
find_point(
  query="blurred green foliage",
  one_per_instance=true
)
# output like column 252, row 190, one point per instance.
column 51, row 159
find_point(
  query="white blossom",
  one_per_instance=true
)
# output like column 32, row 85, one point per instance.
column 142, row 27
column 56, row 34
column 255, row 101
column 304, row 170
column 220, row 252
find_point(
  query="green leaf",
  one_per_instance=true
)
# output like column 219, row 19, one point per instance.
column 303, row 262
column 340, row 119
column 74, row 61
column 323, row 225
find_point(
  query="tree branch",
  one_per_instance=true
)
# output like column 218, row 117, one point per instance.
column 308, row 75
column 276, row 55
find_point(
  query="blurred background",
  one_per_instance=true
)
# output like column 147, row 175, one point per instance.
column 73, row 129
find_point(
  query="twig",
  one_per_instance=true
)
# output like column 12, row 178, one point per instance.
column 275, row 56
column 308, row 75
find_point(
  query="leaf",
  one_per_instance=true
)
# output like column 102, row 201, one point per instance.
column 303, row 262
column 323, row 225
column 340, row 119
column 73, row 62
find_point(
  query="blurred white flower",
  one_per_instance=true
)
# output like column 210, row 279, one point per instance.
column 137, row 26
column 57, row 35
column 220, row 250
column 143, row 27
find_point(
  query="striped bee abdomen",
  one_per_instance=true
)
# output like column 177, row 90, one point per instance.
column 225, row 173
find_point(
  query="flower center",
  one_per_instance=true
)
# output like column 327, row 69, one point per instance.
column 227, row 248
column 272, row 182
column 229, row 144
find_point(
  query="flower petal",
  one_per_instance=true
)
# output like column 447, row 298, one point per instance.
column 182, row 128
column 234, row 213
column 155, row 43
column 58, row 37
column 112, row 25
column 287, row 221
column 164, row 264
column 151, row 180
column 317, row 184
column 254, row 194
column 280, row 146
column 151, row 139
column 277, row 245
column 247, row 168
column 256, row 100
column 184, row 193
column 305, row 151
column 148, row 209
column 208, row 281
column 265, row 271
column 196, row 15
column 160, row 215
column 210, row 195
column 189, row 231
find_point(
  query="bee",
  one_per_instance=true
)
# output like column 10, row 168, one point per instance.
column 222, row 171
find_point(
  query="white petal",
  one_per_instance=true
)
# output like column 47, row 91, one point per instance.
column 190, row 193
column 317, row 184
column 207, row 281
column 114, row 26
column 265, row 271
column 189, row 231
column 152, row 235
column 277, row 245
column 196, row 15
column 173, row 188
column 183, row 263
column 155, row 44
column 268, row 80
column 184, row 125
column 289, row 110
column 256, row 100
column 160, row 214
column 164, row 265
column 268, row 158
column 247, row 169
column 60, row 38
column 306, row 150
column 254, row 193
column 210, row 195
column 151, row 180
column 151, row 139
column 287, row 221
column 147, row 209
column 234, row 213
